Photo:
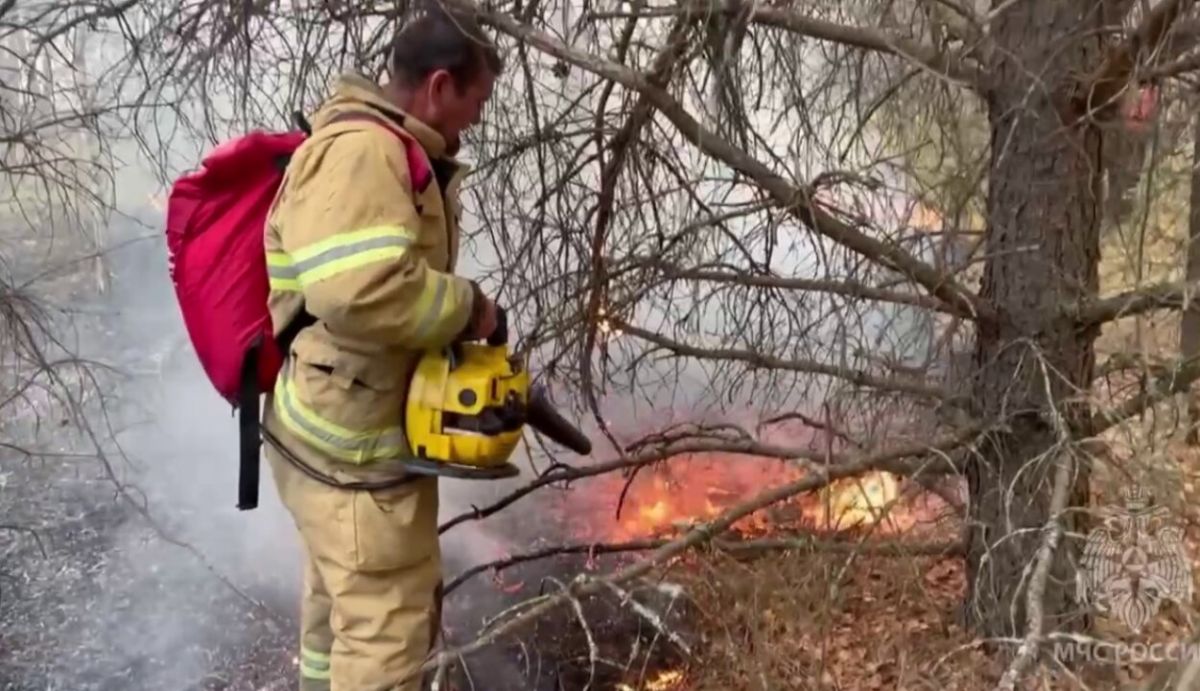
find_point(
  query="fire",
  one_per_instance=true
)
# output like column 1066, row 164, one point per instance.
column 858, row 501
column 665, row 681
column 666, row 498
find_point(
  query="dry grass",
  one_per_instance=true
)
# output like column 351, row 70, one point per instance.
column 791, row 621
column 847, row 622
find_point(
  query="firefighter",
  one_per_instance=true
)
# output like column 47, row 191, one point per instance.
column 367, row 245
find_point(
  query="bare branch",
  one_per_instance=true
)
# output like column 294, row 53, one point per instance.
column 857, row 377
column 1099, row 92
column 1175, row 296
column 1176, row 378
column 950, row 64
column 739, row 547
column 797, row 200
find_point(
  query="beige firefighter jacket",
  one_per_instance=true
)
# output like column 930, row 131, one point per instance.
column 349, row 239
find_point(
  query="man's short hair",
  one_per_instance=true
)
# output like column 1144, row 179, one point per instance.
column 438, row 38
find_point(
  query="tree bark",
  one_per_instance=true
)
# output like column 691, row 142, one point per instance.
column 1189, row 328
column 1044, row 209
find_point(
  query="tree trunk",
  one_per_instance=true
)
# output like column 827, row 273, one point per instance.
column 1044, row 206
column 88, row 152
column 1189, row 329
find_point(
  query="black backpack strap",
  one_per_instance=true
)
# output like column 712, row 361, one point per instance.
column 248, row 430
column 302, row 123
column 250, row 410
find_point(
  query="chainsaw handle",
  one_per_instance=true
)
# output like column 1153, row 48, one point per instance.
column 500, row 335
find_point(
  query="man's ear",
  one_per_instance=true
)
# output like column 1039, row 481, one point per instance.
column 440, row 83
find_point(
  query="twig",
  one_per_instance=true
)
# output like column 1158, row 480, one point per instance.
column 650, row 616
column 33, row 533
column 593, row 651
column 1037, row 585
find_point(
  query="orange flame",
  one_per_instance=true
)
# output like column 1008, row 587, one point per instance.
column 670, row 496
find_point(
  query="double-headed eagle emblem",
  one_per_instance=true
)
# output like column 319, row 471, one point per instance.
column 1133, row 561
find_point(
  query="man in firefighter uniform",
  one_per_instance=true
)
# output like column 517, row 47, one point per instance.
column 367, row 245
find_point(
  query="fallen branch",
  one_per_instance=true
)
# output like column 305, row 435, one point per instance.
column 1035, row 622
column 704, row 532
column 565, row 473
column 744, row 547
column 37, row 539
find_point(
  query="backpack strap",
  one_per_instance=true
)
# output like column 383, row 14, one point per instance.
column 248, row 429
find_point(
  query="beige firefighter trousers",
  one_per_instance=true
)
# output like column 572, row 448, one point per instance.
column 371, row 600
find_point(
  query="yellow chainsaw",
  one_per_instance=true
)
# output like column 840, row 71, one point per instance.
column 468, row 405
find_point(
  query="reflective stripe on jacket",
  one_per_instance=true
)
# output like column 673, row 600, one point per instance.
column 352, row 241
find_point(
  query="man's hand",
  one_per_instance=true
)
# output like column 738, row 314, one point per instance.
column 487, row 319
column 483, row 320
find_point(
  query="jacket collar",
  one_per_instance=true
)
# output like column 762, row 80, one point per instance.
column 354, row 92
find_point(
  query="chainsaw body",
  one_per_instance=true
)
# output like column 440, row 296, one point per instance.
column 468, row 405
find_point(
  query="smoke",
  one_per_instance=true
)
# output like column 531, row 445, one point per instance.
column 168, row 585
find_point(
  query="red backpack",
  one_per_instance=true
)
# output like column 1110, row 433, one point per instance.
column 216, row 218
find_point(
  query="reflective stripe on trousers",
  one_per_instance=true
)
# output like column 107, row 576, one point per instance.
column 314, row 665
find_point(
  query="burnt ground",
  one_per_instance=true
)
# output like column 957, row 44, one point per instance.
column 554, row 652
column 110, row 605
column 91, row 594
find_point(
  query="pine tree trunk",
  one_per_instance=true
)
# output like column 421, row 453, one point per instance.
column 1189, row 335
column 1044, row 209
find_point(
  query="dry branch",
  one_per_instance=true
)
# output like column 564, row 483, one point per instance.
column 857, row 377
column 855, row 289
column 1175, row 379
column 1100, row 92
column 1172, row 295
column 745, row 547
column 658, row 452
column 948, row 63
column 796, row 199
column 821, row 476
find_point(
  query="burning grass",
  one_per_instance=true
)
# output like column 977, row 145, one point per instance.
column 667, row 497
column 672, row 629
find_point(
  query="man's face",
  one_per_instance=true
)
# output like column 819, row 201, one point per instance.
column 452, row 109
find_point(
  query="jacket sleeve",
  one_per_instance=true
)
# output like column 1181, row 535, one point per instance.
column 350, row 243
